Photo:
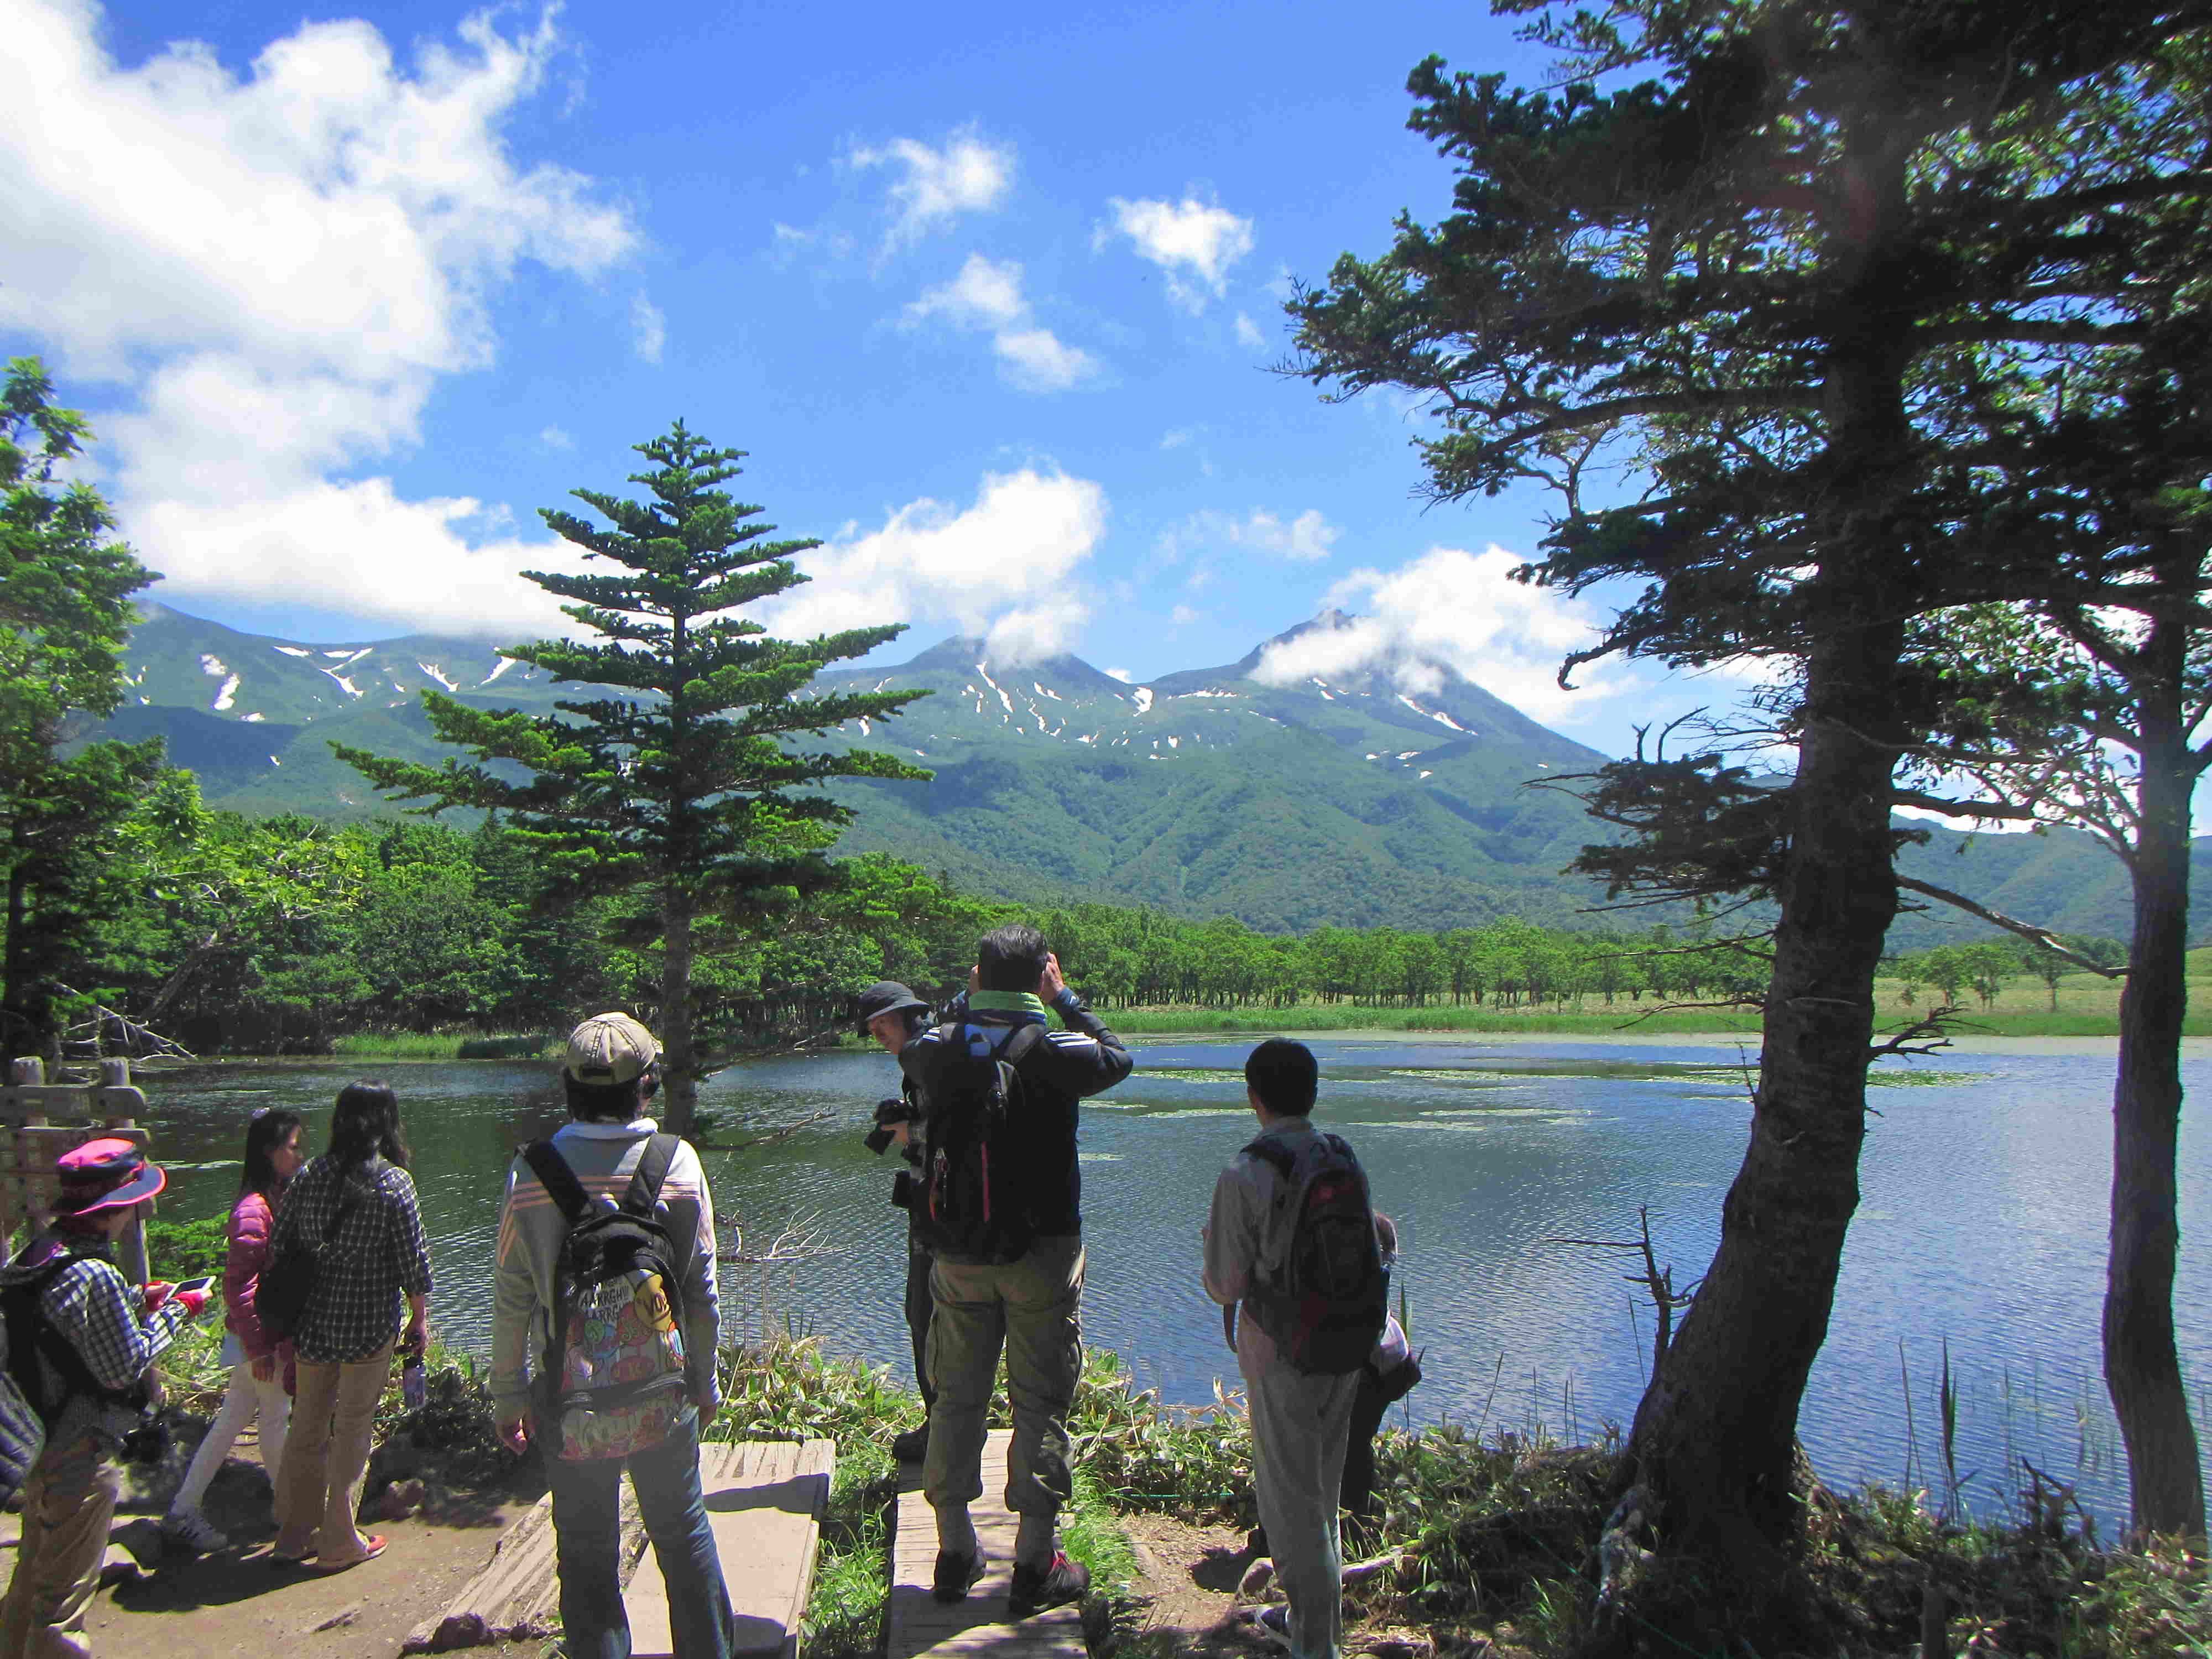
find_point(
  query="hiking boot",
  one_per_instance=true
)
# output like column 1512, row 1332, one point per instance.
column 956, row 1575
column 189, row 1530
column 1035, row 1588
column 912, row 1446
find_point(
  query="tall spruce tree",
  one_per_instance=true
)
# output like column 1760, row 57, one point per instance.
column 674, row 789
column 65, row 612
column 1739, row 281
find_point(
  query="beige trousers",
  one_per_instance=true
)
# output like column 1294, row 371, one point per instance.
column 326, row 1456
column 67, row 1503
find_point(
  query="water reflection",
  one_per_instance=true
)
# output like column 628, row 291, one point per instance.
column 1983, row 1221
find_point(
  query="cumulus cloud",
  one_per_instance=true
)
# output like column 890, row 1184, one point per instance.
column 1195, row 242
column 1450, row 608
column 648, row 329
column 278, row 266
column 967, row 174
column 1006, row 567
column 988, row 295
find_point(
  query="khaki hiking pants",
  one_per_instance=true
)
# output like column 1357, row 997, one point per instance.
column 1300, row 1427
column 1031, row 1307
column 68, row 1503
column 326, row 1457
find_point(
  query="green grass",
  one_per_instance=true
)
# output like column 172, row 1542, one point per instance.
column 442, row 1045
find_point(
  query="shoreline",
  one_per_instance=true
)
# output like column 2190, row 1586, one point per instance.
column 2192, row 1047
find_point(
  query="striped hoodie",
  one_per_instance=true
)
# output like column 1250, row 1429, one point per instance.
column 531, row 1227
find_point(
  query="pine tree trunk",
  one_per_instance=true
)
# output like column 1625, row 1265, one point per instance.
column 679, row 1086
column 27, row 1022
column 2141, row 1369
column 1714, row 1435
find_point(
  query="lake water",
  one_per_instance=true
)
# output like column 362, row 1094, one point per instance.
column 1982, row 1222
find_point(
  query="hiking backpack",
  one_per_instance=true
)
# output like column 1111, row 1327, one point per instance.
column 1319, row 1290
column 29, row 1407
column 973, row 1206
column 611, row 1381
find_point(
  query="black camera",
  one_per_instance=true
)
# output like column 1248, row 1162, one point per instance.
column 890, row 1113
column 904, row 1189
column 148, row 1443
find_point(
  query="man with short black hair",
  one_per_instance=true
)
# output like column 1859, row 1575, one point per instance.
column 1300, row 1422
column 613, row 1069
column 1031, row 1306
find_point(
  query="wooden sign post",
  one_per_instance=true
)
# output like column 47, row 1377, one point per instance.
column 31, row 1142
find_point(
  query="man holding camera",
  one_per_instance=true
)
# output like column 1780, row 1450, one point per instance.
column 892, row 1014
column 999, row 1092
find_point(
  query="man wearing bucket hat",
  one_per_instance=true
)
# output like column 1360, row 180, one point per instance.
column 82, row 1339
column 891, row 1013
column 604, row 1154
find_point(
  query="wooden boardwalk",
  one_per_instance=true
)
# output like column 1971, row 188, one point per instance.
column 918, row 1624
column 764, row 1501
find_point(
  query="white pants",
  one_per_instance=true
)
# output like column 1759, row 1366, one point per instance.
column 243, row 1401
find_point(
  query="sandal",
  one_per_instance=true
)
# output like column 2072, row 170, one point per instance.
column 374, row 1546
column 279, row 1559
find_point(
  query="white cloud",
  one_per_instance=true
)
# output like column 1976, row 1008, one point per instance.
column 279, row 266
column 1303, row 540
column 1175, row 438
column 988, row 295
column 554, row 438
column 1005, row 567
column 648, row 329
column 985, row 294
column 968, row 174
column 1036, row 360
column 1248, row 333
column 1195, row 242
column 1456, row 609
column 1181, row 616
column 1121, row 674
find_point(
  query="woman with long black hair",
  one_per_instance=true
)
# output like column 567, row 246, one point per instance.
column 274, row 1154
column 357, row 1203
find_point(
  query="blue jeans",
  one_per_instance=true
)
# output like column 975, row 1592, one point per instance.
column 587, row 1540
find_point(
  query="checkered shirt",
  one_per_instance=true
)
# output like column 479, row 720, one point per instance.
column 376, row 1259
column 96, row 1311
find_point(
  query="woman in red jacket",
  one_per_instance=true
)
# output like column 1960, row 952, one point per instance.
column 273, row 1156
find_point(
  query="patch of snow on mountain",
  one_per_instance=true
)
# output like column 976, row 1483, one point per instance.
column 1175, row 743
column 224, row 698
column 1325, row 697
column 436, row 673
column 144, row 701
column 255, row 718
column 1204, row 694
column 863, row 725
column 1092, row 738
column 1039, row 720
column 346, row 685
column 295, row 651
column 1041, row 692
column 1142, row 696
column 1375, row 757
column 505, row 663
column 1428, row 774
column 213, row 667
column 273, row 761
column 1408, row 754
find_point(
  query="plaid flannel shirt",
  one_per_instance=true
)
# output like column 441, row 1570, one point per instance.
column 376, row 1259
column 97, row 1312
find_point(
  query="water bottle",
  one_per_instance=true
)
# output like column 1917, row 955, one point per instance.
column 414, row 1387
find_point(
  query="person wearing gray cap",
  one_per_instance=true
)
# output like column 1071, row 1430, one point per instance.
column 610, row 1180
column 891, row 1013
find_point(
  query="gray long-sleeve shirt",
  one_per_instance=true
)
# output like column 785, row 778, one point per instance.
column 1237, row 1234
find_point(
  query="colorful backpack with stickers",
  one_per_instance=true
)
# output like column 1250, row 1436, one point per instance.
column 611, row 1381
column 1319, row 1290
column 972, row 1207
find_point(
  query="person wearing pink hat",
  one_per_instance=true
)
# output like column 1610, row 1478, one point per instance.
column 81, row 1341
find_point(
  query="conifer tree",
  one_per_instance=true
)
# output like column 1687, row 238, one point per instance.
column 673, row 788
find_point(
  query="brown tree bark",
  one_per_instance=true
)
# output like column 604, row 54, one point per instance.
column 679, row 1077
column 2143, row 1369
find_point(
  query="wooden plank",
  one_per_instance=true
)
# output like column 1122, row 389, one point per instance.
column 918, row 1624
column 764, row 1501
column 518, row 1592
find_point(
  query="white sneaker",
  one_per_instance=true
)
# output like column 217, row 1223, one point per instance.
column 191, row 1530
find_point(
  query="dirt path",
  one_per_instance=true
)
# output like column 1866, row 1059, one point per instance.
column 1190, row 1582
column 236, row 1603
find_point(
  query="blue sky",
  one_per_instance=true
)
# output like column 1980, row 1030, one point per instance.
column 988, row 294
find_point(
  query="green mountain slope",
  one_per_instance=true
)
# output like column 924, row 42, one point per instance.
column 1353, row 801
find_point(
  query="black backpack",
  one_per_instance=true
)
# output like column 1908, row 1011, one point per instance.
column 1319, row 1290
column 287, row 1279
column 973, row 1206
column 612, row 1377
column 30, row 1404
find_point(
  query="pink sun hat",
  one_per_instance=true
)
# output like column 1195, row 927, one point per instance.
column 107, row 1174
